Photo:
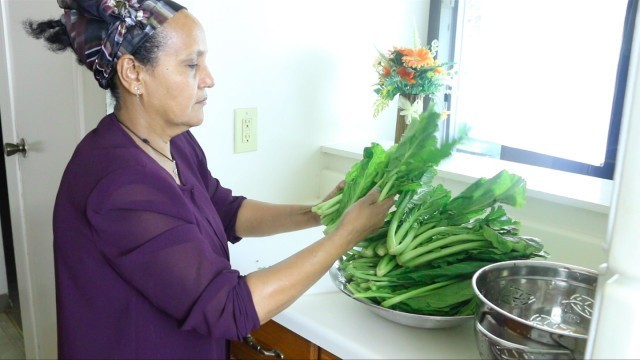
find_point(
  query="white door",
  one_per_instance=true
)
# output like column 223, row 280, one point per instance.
column 49, row 101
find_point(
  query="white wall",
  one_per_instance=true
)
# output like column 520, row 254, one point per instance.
column 308, row 68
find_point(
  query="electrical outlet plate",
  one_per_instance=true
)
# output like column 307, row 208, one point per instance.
column 246, row 130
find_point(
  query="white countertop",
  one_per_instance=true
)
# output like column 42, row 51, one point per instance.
column 349, row 330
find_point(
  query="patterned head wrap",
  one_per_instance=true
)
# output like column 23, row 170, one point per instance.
column 101, row 31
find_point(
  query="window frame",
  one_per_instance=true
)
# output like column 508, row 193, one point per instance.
column 443, row 23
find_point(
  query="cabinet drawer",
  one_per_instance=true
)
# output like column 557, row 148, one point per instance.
column 275, row 337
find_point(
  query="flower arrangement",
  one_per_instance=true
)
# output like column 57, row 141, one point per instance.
column 410, row 71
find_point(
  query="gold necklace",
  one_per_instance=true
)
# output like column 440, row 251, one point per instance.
column 146, row 141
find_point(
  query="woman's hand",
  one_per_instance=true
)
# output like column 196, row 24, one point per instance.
column 277, row 286
column 336, row 190
column 365, row 216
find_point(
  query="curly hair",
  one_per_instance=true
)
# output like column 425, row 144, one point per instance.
column 55, row 35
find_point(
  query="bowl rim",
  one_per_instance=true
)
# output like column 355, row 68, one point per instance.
column 516, row 263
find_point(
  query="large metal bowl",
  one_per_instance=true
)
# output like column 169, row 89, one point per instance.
column 531, row 309
column 415, row 320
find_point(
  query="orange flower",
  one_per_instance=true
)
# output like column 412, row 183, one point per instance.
column 439, row 70
column 403, row 51
column 407, row 75
column 386, row 71
column 417, row 58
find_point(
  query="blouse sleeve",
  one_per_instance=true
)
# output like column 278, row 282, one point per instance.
column 227, row 204
column 149, row 237
column 221, row 197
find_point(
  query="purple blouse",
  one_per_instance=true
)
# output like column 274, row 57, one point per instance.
column 141, row 263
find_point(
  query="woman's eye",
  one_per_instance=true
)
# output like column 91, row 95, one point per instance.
column 193, row 66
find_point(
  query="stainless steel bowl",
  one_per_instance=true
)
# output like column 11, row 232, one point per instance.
column 531, row 309
column 415, row 320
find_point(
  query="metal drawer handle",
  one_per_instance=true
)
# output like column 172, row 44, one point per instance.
column 249, row 341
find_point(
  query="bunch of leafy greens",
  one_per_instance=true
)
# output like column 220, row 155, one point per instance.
column 401, row 168
column 424, row 258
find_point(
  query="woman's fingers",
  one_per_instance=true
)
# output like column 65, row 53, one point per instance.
column 335, row 191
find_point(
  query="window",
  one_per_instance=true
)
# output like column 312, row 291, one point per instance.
column 539, row 82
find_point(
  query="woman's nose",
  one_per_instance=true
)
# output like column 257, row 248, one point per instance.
column 207, row 80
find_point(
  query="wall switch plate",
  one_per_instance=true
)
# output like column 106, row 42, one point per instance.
column 246, row 130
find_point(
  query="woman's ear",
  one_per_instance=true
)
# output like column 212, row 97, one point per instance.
column 129, row 72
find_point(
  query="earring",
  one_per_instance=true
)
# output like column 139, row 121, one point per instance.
column 138, row 92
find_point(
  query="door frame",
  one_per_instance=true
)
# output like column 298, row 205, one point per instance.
column 58, row 91
column 16, row 205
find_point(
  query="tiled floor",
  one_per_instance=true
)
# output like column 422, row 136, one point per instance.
column 11, row 343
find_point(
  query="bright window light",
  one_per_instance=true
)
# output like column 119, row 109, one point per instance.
column 539, row 75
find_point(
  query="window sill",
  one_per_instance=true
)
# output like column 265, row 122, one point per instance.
column 554, row 186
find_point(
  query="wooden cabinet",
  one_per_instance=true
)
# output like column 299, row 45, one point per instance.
column 325, row 355
column 273, row 340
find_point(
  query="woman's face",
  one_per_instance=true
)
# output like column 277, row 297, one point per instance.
column 175, row 89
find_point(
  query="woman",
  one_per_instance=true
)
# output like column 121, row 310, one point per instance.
column 140, row 225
